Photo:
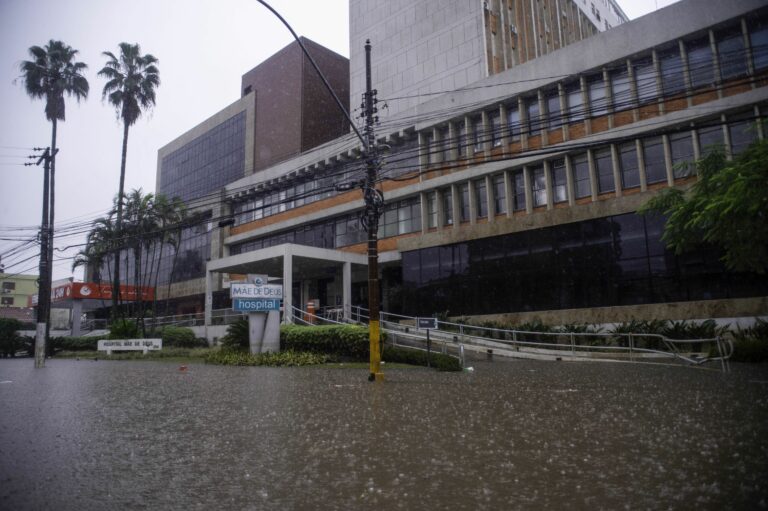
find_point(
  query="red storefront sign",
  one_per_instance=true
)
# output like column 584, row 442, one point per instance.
column 92, row 291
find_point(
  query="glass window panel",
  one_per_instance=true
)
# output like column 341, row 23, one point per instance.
column 655, row 166
column 742, row 134
column 645, row 80
column 539, row 186
column 494, row 119
column 499, row 195
column 518, row 182
column 758, row 39
column 671, row 66
column 580, row 167
column 559, row 181
column 620, row 88
column 428, row 146
column 432, row 210
column 481, row 198
column 598, row 102
column 700, row 62
column 575, row 102
column 447, row 199
column 630, row 173
column 604, row 170
column 681, row 150
column 731, row 53
column 513, row 121
column 477, row 133
column 554, row 115
column 462, row 147
column 464, row 202
column 444, row 144
column 533, row 117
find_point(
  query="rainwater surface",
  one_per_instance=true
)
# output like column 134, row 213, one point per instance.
column 509, row 435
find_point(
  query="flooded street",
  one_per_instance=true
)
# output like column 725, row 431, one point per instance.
column 520, row 434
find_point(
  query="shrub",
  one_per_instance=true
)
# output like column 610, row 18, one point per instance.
column 347, row 341
column 10, row 341
column 124, row 329
column 180, row 337
column 75, row 343
column 288, row 358
column 751, row 344
column 237, row 335
column 416, row 357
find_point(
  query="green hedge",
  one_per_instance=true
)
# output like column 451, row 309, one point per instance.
column 347, row 341
column 439, row 361
column 180, row 337
column 280, row 359
column 76, row 343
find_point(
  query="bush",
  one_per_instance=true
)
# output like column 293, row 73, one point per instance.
column 416, row 357
column 280, row 359
column 751, row 344
column 347, row 341
column 237, row 335
column 75, row 343
column 180, row 337
column 10, row 341
column 124, row 329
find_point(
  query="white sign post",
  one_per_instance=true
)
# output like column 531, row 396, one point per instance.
column 143, row 345
column 259, row 299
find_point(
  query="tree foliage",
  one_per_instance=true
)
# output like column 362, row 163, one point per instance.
column 726, row 207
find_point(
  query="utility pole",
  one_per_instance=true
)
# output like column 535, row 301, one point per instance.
column 44, row 280
column 373, row 203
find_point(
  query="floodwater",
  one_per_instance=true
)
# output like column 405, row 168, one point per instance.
column 510, row 435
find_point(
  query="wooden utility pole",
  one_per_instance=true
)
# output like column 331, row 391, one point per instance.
column 44, row 280
column 373, row 203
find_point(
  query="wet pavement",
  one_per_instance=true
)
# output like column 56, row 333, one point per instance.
column 510, row 435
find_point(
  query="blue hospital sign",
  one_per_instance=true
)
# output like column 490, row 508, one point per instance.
column 255, row 305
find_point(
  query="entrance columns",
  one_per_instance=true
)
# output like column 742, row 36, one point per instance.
column 346, row 289
column 288, row 286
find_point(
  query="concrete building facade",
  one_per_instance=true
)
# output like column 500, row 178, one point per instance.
column 426, row 47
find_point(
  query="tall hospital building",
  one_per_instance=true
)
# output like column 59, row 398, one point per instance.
column 521, row 137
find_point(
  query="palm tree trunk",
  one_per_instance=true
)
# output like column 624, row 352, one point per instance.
column 120, row 191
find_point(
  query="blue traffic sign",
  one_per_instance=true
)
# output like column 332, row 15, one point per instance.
column 255, row 305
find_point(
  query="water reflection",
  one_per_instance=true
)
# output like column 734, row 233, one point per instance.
column 523, row 434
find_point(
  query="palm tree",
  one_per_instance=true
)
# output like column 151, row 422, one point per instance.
column 130, row 88
column 50, row 74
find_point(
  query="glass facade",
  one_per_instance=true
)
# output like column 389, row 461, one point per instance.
column 617, row 260
column 207, row 163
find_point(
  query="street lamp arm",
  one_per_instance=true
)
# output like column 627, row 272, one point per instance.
column 320, row 74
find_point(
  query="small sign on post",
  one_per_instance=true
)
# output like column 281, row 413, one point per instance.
column 262, row 303
column 428, row 324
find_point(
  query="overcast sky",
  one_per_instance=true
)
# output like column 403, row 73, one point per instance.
column 203, row 46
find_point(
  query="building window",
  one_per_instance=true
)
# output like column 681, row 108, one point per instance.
column 653, row 155
column 575, row 102
column 620, row 89
column 428, row 147
column 462, row 142
column 742, row 132
column 481, row 198
column 554, row 114
column 494, row 119
column 598, row 103
column 477, row 133
column 645, row 80
column 559, row 181
column 580, row 167
column 9, row 287
column 671, row 66
column 6, row 300
column 731, row 53
column 402, row 217
column 533, row 116
column 447, row 197
column 758, row 38
column 518, row 184
column 513, row 122
column 538, row 186
column 431, row 210
column 700, row 62
column 681, row 150
column 630, row 173
column 604, row 170
column 464, row 202
column 710, row 139
column 499, row 195
column 444, row 144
